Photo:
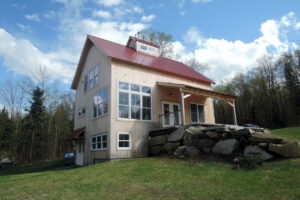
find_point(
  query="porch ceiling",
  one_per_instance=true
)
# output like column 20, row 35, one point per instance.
column 199, row 91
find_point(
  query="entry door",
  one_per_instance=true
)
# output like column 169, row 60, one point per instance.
column 171, row 114
column 79, row 154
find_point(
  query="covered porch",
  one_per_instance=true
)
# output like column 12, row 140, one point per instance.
column 182, row 104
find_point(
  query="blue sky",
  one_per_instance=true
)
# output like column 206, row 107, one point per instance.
column 227, row 36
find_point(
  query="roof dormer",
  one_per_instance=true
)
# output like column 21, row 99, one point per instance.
column 143, row 46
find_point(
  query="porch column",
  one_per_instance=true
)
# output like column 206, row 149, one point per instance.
column 182, row 106
column 234, row 113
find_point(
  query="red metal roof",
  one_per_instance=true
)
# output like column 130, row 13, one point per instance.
column 75, row 135
column 121, row 52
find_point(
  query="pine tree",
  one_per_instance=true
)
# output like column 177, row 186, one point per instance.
column 6, row 130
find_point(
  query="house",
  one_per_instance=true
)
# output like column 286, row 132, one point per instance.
column 124, row 91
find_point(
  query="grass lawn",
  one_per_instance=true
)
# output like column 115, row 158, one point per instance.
column 291, row 132
column 154, row 178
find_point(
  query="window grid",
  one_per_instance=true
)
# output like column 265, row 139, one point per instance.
column 199, row 115
column 99, row 142
column 100, row 102
column 124, row 140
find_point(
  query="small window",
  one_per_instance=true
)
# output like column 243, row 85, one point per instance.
column 85, row 83
column 123, row 141
column 197, row 113
column 151, row 49
column 144, row 47
column 99, row 142
column 81, row 111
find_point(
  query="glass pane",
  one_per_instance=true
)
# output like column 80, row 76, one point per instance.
column 201, row 113
column 166, row 114
column 91, row 83
column 104, row 138
column 135, row 100
column 135, row 113
column 151, row 49
column 99, row 145
column 83, row 110
column 123, row 144
column 144, row 47
column 93, row 139
column 96, row 80
column 124, row 112
column 91, row 76
column 146, row 90
column 85, row 82
column 104, row 145
column 123, row 86
column 94, row 146
column 100, row 109
column 123, row 98
column 105, row 94
column 105, row 107
column 134, row 87
column 194, row 113
column 146, row 102
column 123, row 136
column 96, row 70
column 146, row 114
column 99, row 139
column 100, row 97
column 176, row 114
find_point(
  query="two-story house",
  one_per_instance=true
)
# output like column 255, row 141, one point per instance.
column 124, row 91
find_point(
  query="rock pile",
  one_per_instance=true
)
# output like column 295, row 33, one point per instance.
column 230, row 141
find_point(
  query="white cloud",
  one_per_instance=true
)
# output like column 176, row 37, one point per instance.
column 203, row 1
column 138, row 10
column 49, row 15
column 33, row 17
column 109, row 3
column 22, row 57
column 148, row 18
column 103, row 14
column 23, row 27
column 182, row 13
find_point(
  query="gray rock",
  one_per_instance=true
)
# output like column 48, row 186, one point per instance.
column 212, row 134
column 171, row 146
column 192, row 152
column 179, row 152
column 226, row 147
column 267, row 131
column 288, row 150
column 5, row 161
column 191, row 138
column 255, row 151
column 263, row 145
column 176, row 135
column 195, row 129
column 155, row 150
column 205, row 144
column 158, row 140
column 207, row 150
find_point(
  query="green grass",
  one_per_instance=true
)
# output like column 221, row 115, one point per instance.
column 155, row 178
column 290, row 133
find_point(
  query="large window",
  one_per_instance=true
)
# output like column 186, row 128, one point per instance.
column 100, row 103
column 123, row 141
column 91, row 79
column 197, row 113
column 134, row 102
column 99, row 142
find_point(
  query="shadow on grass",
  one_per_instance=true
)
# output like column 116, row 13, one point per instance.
column 38, row 167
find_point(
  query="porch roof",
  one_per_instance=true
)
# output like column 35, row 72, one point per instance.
column 199, row 91
column 76, row 134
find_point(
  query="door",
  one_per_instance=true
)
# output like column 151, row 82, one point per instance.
column 79, row 154
column 171, row 114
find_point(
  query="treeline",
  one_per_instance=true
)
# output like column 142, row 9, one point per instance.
column 268, row 96
column 35, row 121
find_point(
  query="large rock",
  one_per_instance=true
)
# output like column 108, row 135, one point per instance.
column 192, row 152
column 179, row 152
column 255, row 151
column 158, row 140
column 205, row 145
column 190, row 138
column 265, row 138
column 154, row 150
column 289, row 150
column 212, row 134
column 195, row 129
column 226, row 147
column 5, row 161
column 176, row 135
column 170, row 147
column 240, row 132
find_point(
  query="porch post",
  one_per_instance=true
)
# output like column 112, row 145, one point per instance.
column 234, row 113
column 182, row 106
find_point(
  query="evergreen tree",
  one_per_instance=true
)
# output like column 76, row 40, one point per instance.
column 6, row 130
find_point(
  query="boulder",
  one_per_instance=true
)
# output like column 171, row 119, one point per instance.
column 239, row 133
column 288, row 150
column 176, row 135
column 190, row 138
column 195, row 129
column 226, row 147
column 5, row 161
column 212, row 134
column 265, row 138
column 255, row 151
column 263, row 145
column 179, row 152
column 155, row 150
column 207, row 150
column 267, row 131
column 205, row 145
column 158, row 140
column 192, row 152
column 171, row 146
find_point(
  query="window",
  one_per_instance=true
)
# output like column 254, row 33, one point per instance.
column 99, row 142
column 91, row 79
column 124, row 141
column 134, row 102
column 197, row 113
column 100, row 103
column 81, row 111
column 147, row 48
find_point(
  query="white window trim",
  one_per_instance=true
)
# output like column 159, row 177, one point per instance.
column 141, row 106
column 102, row 134
column 172, row 103
column 124, row 148
column 197, row 113
column 98, row 104
column 80, row 109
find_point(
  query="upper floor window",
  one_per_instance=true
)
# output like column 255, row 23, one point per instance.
column 100, row 103
column 91, row 79
column 134, row 102
column 147, row 48
column 81, row 111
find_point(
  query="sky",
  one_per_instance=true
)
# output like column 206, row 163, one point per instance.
column 228, row 36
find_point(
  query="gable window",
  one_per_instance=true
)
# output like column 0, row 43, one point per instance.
column 134, row 102
column 100, row 103
column 81, row 111
column 197, row 113
column 147, row 48
column 124, row 141
column 99, row 142
column 91, row 79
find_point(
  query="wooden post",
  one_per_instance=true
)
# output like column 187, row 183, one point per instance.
column 234, row 113
column 182, row 106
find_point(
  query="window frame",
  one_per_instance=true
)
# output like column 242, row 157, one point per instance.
column 118, row 140
column 198, row 120
column 96, row 143
column 103, row 103
column 80, row 111
column 129, row 92
column 94, row 73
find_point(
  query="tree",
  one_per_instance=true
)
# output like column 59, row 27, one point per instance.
column 6, row 130
column 196, row 65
